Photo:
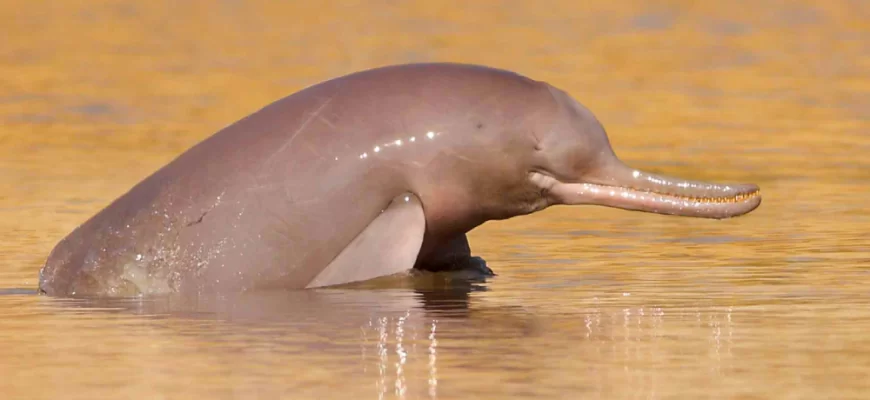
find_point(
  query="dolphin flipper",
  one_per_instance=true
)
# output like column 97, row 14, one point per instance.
column 454, row 255
column 387, row 246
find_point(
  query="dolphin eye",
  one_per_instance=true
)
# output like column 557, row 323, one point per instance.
column 537, row 139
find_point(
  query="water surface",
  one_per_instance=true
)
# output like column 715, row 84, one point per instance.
column 589, row 302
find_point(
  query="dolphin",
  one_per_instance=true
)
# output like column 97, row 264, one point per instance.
column 363, row 176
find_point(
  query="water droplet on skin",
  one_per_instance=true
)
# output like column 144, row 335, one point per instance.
column 430, row 134
column 138, row 257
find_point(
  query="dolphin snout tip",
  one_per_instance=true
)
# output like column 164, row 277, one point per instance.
column 750, row 188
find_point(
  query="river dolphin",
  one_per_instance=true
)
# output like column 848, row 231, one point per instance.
column 363, row 176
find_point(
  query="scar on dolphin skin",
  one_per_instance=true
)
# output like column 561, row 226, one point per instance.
column 199, row 220
column 313, row 115
column 394, row 139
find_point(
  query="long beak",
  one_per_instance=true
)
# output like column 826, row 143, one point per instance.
column 617, row 185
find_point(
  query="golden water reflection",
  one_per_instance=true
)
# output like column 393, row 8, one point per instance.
column 589, row 302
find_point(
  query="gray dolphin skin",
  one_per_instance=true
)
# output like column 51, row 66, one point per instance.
column 358, row 177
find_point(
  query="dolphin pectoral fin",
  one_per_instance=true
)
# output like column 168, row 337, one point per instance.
column 454, row 255
column 387, row 246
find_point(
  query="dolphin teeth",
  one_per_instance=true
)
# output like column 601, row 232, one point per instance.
column 736, row 198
